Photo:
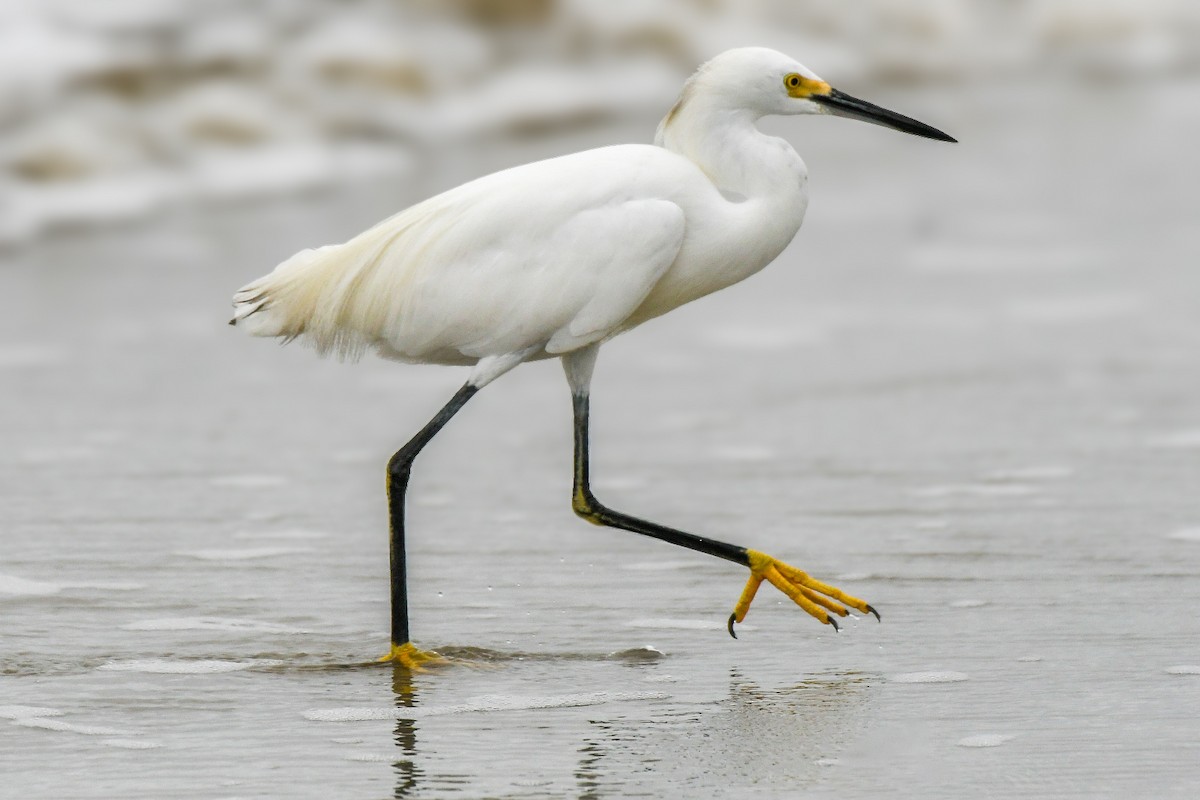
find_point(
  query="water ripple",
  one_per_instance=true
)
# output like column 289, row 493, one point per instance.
column 485, row 704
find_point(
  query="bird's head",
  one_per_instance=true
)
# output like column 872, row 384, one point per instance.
column 766, row 82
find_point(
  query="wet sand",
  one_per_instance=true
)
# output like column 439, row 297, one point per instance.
column 967, row 393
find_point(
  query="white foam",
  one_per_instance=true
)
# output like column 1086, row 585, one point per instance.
column 1029, row 659
column 23, row 587
column 850, row 577
column 485, row 704
column 1184, row 669
column 929, row 677
column 93, row 200
column 248, row 481
column 162, row 666
column 371, row 758
column 51, row 57
column 259, row 171
column 1185, row 535
column 968, row 603
column 646, row 652
column 70, row 727
column 28, row 712
column 1177, row 440
column 986, row 740
column 209, row 624
column 132, row 744
column 242, row 554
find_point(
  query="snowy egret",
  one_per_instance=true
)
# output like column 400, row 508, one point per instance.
column 553, row 258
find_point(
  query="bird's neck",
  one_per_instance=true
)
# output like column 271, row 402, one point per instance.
column 740, row 160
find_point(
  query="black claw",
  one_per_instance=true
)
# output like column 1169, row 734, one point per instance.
column 732, row 619
column 876, row 613
column 833, row 622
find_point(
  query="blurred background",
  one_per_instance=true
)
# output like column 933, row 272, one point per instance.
column 111, row 111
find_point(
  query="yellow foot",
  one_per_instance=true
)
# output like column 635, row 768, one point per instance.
column 815, row 597
column 408, row 656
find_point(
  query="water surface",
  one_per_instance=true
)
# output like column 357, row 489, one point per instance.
column 967, row 393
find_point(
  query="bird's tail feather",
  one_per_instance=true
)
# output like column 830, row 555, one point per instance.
column 339, row 298
column 282, row 302
column 305, row 296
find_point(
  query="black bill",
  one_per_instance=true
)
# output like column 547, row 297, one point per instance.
column 843, row 105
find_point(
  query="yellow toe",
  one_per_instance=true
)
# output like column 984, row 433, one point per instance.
column 409, row 656
column 815, row 597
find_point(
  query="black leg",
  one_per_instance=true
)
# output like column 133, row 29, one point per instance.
column 587, row 506
column 398, row 471
column 816, row 598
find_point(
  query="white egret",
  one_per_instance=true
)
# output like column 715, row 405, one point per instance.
column 552, row 259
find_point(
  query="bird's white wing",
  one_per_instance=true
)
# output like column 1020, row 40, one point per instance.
column 563, row 280
column 625, row 250
column 557, row 254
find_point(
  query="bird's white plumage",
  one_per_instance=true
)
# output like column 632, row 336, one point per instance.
column 553, row 256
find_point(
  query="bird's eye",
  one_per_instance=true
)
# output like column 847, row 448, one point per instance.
column 792, row 81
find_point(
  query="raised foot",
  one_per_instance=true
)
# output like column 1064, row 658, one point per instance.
column 407, row 655
column 815, row 597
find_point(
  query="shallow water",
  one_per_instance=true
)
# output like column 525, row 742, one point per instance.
column 974, row 405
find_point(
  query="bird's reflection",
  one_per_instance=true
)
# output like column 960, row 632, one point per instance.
column 408, row 774
column 787, row 733
column 591, row 757
column 784, row 733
